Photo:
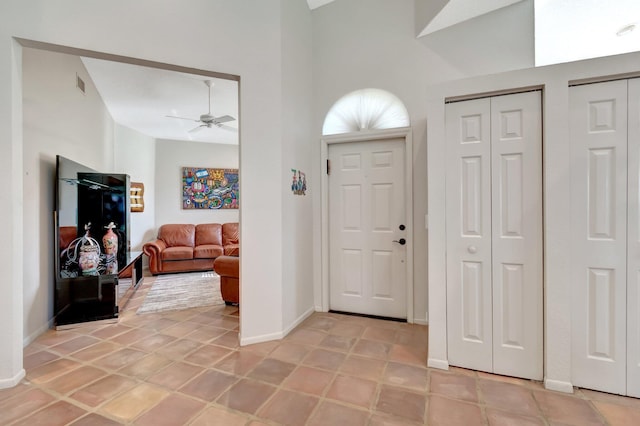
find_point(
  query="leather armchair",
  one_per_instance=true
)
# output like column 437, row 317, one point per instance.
column 228, row 267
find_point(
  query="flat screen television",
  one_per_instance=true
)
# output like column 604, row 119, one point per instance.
column 88, row 205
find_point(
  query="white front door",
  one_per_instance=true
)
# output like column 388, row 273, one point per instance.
column 494, row 234
column 367, row 228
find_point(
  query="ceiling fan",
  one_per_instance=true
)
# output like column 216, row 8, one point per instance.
column 208, row 120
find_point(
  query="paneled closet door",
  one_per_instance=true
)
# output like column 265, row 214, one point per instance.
column 494, row 234
column 598, row 125
column 633, row 243
column 516, row 169
column 468, row 206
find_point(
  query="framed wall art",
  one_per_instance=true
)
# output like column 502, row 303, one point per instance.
column 137, row 197
column 206, row 188
column 299, row 182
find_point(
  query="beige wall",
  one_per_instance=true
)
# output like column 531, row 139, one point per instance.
column 135, row 155
column 297, row 213
column 58, row 119
column 356, row 47
column 171, row 156
column 248, row 42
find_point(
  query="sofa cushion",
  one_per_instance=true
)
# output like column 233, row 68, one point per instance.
column 208, row 234
column 230, row 234
column 232, row 250
column 207, row 251
column 177, row 253
column 177, row 235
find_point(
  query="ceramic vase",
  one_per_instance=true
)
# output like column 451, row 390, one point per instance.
column 110, row 244
column 89, row 253
column 89, row 259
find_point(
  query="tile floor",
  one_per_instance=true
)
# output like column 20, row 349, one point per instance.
column 186, row 368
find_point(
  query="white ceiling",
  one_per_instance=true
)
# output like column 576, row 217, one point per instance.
column 572, row 30
column 456, row 11
column 141, row 97
column 314, row 4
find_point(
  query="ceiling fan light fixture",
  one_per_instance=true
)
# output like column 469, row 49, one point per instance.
column 626, row 29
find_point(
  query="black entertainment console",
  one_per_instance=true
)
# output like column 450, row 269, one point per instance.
column 95, row 271
column 101, row 297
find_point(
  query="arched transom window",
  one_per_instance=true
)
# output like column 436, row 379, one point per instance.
column 365, row 109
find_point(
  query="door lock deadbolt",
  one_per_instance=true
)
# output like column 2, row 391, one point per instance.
column 402, row 227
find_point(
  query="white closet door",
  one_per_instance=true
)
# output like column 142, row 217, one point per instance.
column 516, row 169
column 468, row 206
column 598, row 115
column 633, row 232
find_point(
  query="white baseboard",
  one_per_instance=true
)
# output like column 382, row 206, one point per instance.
column 298, row 321
column 558, row 385
column 440, row 364
column 260, row 339
column 278, row 335
column 420, row 321
column 33, row 336
column 12, row 381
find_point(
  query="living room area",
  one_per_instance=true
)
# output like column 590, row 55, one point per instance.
column 62, row 119
column 29, row 171
column 294, row 65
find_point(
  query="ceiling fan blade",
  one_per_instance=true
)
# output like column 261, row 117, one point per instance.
column 229, row 128
column 182, row 118
column 224, row 119
column 197, row 129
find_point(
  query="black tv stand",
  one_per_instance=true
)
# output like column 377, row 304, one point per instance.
column 100, row 297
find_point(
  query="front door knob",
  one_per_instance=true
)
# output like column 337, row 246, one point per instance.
column 401, row 241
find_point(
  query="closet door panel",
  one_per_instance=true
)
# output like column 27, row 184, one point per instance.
column 468, row 205
column 516, row 168
column 633, row 243
column 598, row 115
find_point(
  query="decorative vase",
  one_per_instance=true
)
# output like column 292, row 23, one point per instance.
column 89, row 257
column 110, row 244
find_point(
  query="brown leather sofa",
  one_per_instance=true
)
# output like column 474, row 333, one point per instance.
column 188, row 247
column 228, row 267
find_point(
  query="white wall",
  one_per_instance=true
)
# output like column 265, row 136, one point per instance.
column 58, row 119
column 247, row 39
column 171, row 156
column 359, row 44
column 135, row 155
column 297, row 213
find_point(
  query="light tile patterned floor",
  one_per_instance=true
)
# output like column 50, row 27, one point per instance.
column 186, row 367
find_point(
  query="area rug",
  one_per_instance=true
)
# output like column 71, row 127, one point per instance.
column 182, row 291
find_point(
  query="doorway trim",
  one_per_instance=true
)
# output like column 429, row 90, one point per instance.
column 366, row 136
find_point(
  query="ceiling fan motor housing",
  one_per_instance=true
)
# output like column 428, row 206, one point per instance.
column 207, row 118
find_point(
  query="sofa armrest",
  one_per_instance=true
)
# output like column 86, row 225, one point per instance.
column 153, row 249
column 227, row 266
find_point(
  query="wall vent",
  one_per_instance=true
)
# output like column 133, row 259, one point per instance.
column 80, row 83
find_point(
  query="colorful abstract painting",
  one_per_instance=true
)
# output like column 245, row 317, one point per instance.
column 204, row 188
